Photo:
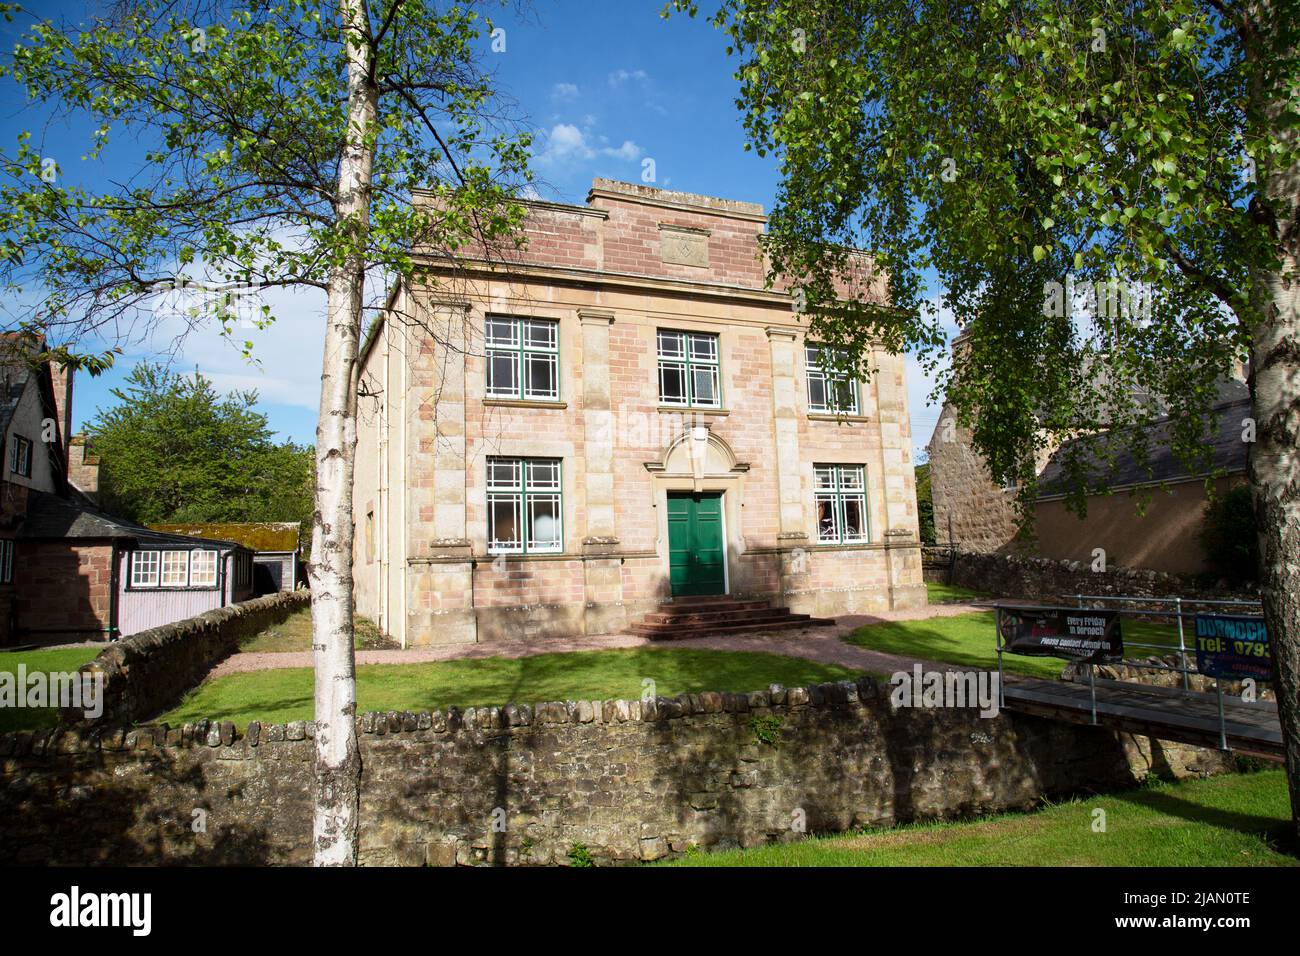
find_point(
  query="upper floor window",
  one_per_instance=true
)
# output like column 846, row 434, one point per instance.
column 688, row 370
column 523, row 358
column 525, row 502
column 830, row 387
column 6, row 561
column 841, row 498
column 20, row 457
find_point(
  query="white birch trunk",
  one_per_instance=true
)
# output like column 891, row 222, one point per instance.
column 1274, row 458
column 338, row 760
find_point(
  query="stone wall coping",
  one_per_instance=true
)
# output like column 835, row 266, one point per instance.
column 1159, row 583
column 222, row 735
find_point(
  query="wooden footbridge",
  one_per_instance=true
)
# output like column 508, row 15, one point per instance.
column 1169, row 713
column 1225, row 722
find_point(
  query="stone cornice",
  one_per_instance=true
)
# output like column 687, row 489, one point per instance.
column 595, row 316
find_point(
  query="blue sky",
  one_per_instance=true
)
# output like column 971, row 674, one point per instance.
column 606, row 85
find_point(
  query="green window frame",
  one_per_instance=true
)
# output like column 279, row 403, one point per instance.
column 525, row 505
column 523, row 358
column 831, row 390
column 841, row 504
column 690, row 369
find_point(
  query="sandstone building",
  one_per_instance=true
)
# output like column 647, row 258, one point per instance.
column 1152, row 518
column 558, row 441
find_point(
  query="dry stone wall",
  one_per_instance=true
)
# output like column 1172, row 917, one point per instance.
column 150, row 671
column 530, row 784
column 1044, row 579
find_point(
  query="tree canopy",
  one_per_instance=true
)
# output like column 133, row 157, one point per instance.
column 173, row 449
column 1025, row 152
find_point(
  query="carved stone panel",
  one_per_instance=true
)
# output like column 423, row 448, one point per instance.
column 686, row 247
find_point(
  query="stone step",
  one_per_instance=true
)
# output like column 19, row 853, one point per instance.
column 683, row 616
column 701, row 605
column 673, row 633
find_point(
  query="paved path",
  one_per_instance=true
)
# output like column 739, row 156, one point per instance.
column 820, row 644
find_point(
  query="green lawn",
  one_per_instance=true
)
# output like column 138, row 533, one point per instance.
column 276, row 696
column 1231, row 820
column 951, row 594
column 60, row 659
column 294, row 634
column 967, row 639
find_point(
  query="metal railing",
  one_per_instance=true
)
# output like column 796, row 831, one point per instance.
column 1178, row 613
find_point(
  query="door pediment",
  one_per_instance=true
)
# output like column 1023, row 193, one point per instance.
column 698, row 454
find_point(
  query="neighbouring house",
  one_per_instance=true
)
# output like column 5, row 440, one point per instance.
column 563, row 439
column 974, row 513
column 35, row 414
column 88, row 575
column 277, row 553
column 68, row 571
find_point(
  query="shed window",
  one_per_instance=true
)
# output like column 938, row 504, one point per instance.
column 175, row 569
column 203, row 569
column 144, row 569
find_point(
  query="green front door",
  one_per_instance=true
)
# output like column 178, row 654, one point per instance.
column 695, row 551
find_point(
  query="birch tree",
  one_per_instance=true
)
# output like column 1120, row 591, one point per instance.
column 239, row 147
column 1141, row 157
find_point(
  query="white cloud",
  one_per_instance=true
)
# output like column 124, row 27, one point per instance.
column 566, row 143
column 285, row 363
column 619, row 77
column 629, row 151
column 564, row 91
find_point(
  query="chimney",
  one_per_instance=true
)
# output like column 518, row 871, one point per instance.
column 83, row 467
column 62, row 376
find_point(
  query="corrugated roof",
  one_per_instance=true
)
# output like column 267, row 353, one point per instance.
column 255, row 535
column 1228, row 453
column 49, row 516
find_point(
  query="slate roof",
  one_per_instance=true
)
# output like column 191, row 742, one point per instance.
column 258, row 536
column 15, row 372
column 49, row 516
column 1228, row 451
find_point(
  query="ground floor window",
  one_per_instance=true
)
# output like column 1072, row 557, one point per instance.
column 525, row 502
column 203, row 569
column 144, row 569
column 841, row 492
column 174, row 569
column 6, row 561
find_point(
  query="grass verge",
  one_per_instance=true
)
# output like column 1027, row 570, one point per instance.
column 967, row 639
column 276, row 696
column 937, row 593
column 53, row 660
column 1230, row 820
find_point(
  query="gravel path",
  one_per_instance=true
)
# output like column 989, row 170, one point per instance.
column 820, row 644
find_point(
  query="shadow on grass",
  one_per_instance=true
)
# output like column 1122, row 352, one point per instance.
column 1278, row 834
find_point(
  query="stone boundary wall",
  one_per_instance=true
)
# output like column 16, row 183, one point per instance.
column 1048, row 580
column 520, row 784
column 149, row 672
